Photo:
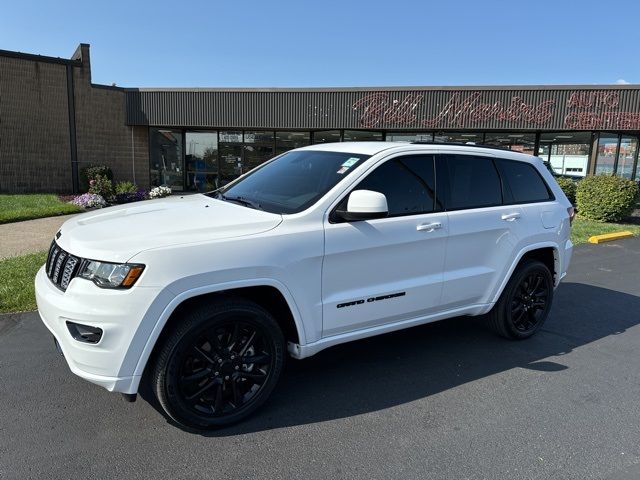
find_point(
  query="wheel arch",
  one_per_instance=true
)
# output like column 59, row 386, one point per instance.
column 270, row 294
column 546, row 252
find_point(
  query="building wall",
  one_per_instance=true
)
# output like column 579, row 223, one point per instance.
column 34, row 127
column 35, row 133
column 103, row 137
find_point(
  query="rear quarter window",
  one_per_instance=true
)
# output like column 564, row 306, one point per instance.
column 522, row 182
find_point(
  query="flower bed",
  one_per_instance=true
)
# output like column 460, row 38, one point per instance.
column 89, row 200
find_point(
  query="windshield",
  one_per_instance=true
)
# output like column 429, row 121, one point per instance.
column 292, row 182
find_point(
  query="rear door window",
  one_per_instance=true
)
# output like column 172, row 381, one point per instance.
column 468, row 181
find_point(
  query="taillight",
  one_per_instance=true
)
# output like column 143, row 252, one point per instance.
column 572, row 214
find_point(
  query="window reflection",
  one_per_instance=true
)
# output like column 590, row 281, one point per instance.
column 201, row 160
column 258, row 137
column 362, row 136
column 409, row 137
column 165, row 155
column 459, row 137
column 326, row 136
column 566, row 152
column 607, row 152
column 628, row 147
column 258, row 148
column 230, row 148
column 518, row 142
column 289, row 140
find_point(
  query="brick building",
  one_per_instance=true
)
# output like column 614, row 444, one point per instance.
column 54, row 121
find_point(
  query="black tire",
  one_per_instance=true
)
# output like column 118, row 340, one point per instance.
column 219, row 364
column 525, row 302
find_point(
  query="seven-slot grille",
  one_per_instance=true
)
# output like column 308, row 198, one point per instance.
column 61, row 267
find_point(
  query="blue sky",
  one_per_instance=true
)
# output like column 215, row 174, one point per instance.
column 252, row 43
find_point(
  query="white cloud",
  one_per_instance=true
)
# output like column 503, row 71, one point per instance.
column 622, row 81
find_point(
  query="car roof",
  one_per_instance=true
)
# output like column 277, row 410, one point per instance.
column 372, row 148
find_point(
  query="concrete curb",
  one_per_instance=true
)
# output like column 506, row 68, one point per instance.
column 607, row 237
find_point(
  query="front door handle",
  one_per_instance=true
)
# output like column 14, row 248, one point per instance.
column 510, row 217
column 429, row 227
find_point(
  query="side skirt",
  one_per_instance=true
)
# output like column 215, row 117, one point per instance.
column 304, row 351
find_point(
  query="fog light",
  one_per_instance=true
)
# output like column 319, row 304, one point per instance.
column 84, row 333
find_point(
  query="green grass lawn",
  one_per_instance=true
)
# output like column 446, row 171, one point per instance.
column 583, row 229
column 15, row 208
column 17, row 293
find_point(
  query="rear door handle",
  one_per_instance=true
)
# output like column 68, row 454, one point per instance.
column 429, row 227
column 510, row 217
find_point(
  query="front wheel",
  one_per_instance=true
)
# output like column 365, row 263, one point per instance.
column 525, row 302
column 219, row 364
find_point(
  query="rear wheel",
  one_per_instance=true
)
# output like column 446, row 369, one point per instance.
column 219, row 364
column 525, row 302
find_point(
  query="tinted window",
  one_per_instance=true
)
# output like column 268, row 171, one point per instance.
column 407, row 182
column 523, row 183
column 469, row 181
column 292, row 182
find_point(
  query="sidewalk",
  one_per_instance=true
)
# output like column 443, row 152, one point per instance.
column 21, row 238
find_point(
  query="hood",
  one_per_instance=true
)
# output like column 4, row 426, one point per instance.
column 118, row 233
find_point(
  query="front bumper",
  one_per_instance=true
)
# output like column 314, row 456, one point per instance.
column 119, row 313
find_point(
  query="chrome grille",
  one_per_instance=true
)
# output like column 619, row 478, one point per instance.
column 61, row 267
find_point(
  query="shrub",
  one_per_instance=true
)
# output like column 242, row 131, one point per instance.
column 91, row 172
column 125, row 187
column 101, row 185
column 605, row 198
column 159, row 192
column 89, row 200
column 568, row 186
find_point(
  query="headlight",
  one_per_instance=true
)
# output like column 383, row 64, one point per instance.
column 111, row 275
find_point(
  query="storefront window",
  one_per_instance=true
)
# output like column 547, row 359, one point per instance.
column 628, row 147
column 607, row 152
column 258, row 148
column 566, row 152
column 518, row 142
column 409, row 137
column 258, row 137
column 362, row 136
column 326, row 136
column 230, row 147
column 201, row 161
column 165, row 155
column 459, row 137
column 289, row 140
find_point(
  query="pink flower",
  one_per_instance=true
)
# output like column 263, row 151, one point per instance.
column 92, row 182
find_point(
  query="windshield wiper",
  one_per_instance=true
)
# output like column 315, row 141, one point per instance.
column 242, row 201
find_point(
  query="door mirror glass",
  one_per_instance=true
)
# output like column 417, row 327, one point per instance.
column 364, row 205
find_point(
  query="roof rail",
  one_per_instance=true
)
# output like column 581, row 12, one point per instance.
column 460, row 144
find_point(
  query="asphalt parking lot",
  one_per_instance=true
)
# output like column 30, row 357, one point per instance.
column 443, row 401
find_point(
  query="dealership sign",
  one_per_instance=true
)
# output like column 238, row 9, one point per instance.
column 417, row 109
column 578, row 110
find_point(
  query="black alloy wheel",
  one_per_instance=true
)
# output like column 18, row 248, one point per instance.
column 525, row 302
column 219, row 365
column 529, row 302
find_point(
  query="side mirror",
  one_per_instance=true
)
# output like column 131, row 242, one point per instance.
column 364, row 205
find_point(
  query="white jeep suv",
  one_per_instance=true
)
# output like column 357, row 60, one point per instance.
column 203, row 295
